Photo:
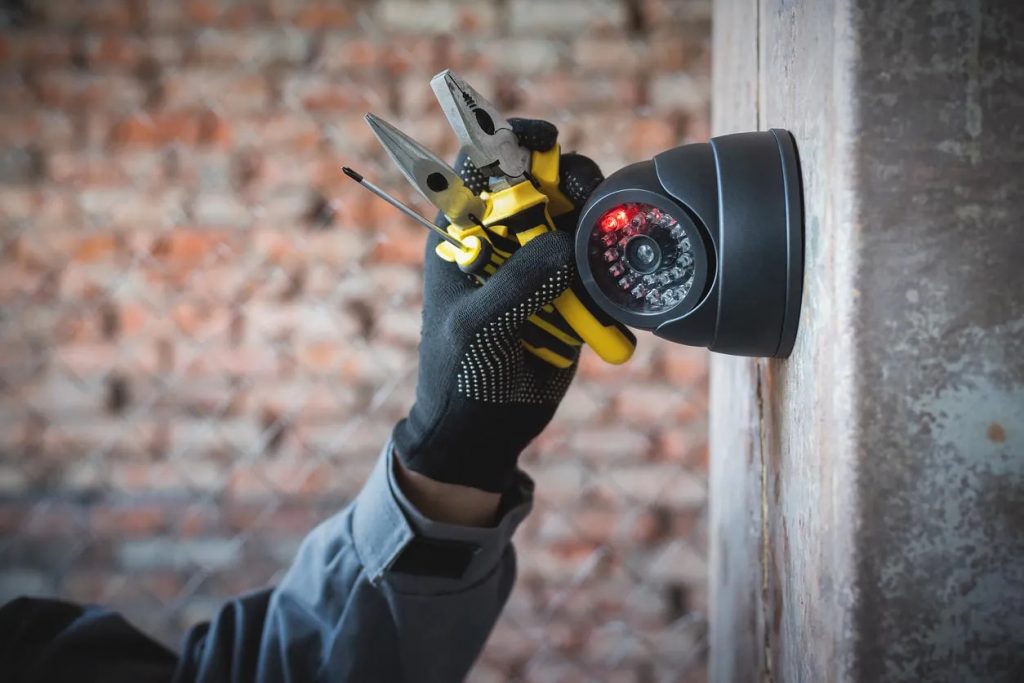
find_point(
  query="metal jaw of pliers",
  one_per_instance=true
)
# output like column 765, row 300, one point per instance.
column 485, row 135
column 434, row 179
column 477, row 250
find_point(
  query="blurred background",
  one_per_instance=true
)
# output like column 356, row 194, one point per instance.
column 207, row 332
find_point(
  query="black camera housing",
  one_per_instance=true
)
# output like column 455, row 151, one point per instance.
column 738, row 202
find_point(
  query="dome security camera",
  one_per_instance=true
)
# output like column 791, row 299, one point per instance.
column 702, row 245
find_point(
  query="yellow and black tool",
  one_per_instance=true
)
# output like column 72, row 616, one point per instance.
column 475, row 249
column 523, row 197
column 490, row 226
column 518, row 214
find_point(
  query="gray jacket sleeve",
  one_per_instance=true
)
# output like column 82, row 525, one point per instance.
column 350, row 609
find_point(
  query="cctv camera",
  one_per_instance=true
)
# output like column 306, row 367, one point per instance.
column 702, row 245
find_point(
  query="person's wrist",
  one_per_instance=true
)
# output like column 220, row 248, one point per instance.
column 444, row 502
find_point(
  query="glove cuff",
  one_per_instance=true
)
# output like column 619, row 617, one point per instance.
column 474, row 452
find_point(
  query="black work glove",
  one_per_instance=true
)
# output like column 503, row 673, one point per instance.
column 480, row 397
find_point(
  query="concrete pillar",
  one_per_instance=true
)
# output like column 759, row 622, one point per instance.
column 867, row 494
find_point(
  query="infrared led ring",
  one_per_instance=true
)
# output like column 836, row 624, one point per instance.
column 643, row 257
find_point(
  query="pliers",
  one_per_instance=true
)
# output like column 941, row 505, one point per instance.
column 515, row 192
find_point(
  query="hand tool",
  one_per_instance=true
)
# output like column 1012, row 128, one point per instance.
column 471, row 249
column 523, row 187
column 472, row 254
column 358, row 177
column 484, row 249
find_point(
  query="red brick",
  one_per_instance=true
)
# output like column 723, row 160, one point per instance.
column 99, row 247
column 650, row 527
column 215, row 130
column 568, row 18
column 612, row 54
column 305, row 401
column 261, row 47
column 273, row 478
column 591, row 367
column 323, row 14
column 684, row 365
column 52, row 209
column 201, row 322
column 426, row 16
column 110, row 14
column 189, row 13
column 340, row 53
column 132, row 319
column 141, row 168
column 198, row 520
column 221, row 209
column 679, row 91
column 132, row 521
column 227, row 92
column 399, row 328
column 280, row 189
column 317, row 93
column 114, row 50
column 469, row 56
column 34, row 48
column 407, row 250
column 144, row 130
column 672, row 51
column 612, row 443
column 130, row 209
column 288, row 206
column 320, row 357
column 52, row 130
column 561, row 90
column 274, row 131
column 190, row 247
column 646, row 137
column 656, row 483
column 671, row 13
column 646, row 404
column 686, row 445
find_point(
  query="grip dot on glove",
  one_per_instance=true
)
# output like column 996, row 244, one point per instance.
column 491, row 372
column 471, row 175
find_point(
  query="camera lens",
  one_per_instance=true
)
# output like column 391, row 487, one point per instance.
column 642, row 258
column 643, row 254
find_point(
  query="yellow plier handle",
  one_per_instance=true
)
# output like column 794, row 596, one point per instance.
column 521, row 212
column 547, row 336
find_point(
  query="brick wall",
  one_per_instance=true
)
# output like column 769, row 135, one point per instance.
column 207, row 332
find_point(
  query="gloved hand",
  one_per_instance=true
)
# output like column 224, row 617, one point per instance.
column 480, row 398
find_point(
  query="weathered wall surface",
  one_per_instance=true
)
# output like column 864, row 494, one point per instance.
column 868, row 493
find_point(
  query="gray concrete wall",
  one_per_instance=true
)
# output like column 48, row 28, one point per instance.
column 867, row 495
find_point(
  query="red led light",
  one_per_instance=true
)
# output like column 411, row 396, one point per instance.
column 617, row 218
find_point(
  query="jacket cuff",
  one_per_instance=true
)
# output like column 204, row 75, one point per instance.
column 385, row 523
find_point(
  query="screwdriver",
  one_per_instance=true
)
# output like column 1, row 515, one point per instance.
column 473, row 255
column 404, row 208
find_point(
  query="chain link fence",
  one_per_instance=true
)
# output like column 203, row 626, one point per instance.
column 207, row 332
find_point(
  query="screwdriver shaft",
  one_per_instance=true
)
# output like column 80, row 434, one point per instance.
column 400, row 206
